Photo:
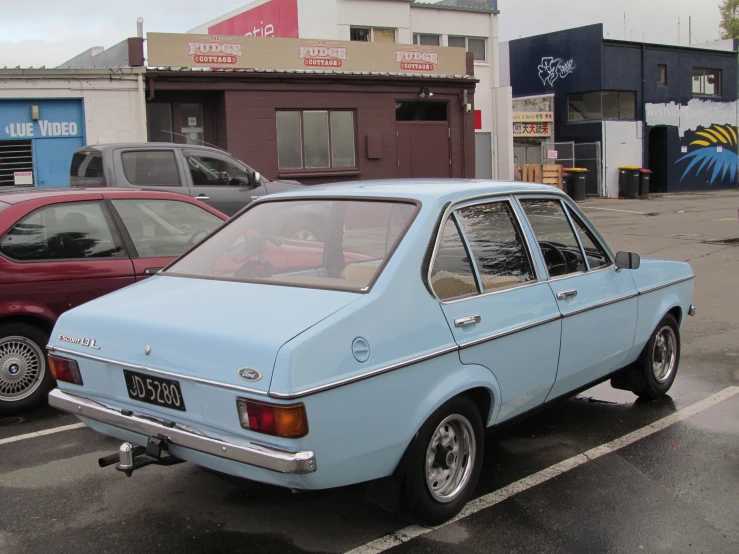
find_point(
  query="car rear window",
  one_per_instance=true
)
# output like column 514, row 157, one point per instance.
column 3, row 205
column 334, row 244
column 87, row 168
column 150, row 167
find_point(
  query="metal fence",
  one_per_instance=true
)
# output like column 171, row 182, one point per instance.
column 568, row 154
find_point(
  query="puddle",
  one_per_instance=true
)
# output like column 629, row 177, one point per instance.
column 10, row 421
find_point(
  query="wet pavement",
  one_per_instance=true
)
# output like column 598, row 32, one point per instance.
column 674, row 490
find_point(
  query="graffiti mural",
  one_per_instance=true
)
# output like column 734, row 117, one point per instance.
column 551, row 69
column 716, row 153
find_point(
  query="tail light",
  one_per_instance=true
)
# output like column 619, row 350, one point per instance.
column 64, row 369
column 273, row 419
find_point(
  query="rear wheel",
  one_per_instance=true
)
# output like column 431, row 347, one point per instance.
column 24, row 377
column 444, row 462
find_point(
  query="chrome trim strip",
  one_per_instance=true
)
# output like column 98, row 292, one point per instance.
column 601, row 305
column 253, row 454
column 155, row 371
column 357, row 378
column 577, row 235
column 510, row 332
column 492, row 292
column 664, row 286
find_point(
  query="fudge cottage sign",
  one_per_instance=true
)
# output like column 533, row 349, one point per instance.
column 230, row 52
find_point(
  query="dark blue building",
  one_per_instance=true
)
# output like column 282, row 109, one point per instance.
column 671, row 109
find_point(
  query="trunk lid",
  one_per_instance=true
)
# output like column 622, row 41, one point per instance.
column 202, row 328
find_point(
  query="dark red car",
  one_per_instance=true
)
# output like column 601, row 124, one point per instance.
column 60, row 248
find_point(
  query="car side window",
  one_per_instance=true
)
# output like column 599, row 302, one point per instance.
column 151, row 167
column 597, row 256
column 164, row 228
column 69, row 231
column 497, row 244
column 557, row 241
column 214, row 171
column 452, row 275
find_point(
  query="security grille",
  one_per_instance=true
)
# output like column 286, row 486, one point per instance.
column 15, row 155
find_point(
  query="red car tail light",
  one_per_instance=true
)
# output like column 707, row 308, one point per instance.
column 273, row 419
column 64, row 369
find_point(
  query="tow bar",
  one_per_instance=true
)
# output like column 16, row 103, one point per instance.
column 130, row 458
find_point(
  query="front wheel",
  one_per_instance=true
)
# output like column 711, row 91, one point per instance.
column 444, row 462
column 24, row 377
column 652, row 375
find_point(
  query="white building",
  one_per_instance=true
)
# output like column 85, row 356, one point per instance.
column 46, row 114
column 471, row 24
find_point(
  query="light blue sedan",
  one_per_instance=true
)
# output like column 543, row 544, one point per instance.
column 420, row 313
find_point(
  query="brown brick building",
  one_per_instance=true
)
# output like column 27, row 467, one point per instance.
column 319, row 127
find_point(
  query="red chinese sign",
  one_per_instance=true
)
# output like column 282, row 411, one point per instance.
column 275, row 18
column 532, row 129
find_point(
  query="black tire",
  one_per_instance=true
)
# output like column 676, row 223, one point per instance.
column 641, row 378
column 22, row 369
column 303, row 228
column 417, row 498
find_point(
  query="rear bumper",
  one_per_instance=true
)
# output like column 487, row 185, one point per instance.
column 252, row 454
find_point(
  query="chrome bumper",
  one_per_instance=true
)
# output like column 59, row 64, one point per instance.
column 252, row 454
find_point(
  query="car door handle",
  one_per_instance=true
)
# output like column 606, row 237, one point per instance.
column 152, row 270
column 202, row 197
column 468, row 320
column 565, row 294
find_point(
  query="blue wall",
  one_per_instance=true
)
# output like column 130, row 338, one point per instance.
column 580, row 60
column 58, row 132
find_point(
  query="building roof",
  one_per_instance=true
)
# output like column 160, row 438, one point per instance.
column 481, row 6
column 207, row 70
column 424, row 190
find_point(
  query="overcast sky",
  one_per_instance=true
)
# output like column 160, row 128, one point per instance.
column 49, row 32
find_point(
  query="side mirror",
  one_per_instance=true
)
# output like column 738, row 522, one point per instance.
column 627, row 260
column 256, row 178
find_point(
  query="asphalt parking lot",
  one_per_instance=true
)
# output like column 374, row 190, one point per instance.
column 597, row 473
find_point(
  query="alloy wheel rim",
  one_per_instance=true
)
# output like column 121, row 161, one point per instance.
column 664, row 354
column 450, row 458
column 22, row 368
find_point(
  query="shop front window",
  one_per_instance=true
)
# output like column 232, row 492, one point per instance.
column 315, row 139
column 159, row 117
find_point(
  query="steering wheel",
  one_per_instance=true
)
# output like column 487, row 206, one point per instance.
column 552, row 248
column 197, row 236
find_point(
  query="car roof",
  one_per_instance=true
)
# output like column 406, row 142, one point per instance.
column 145, row 146
column 436, row 190
column 16, row 196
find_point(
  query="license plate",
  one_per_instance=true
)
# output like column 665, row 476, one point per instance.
column 154, row 390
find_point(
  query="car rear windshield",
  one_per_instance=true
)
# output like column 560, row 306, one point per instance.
column 334, row 244
column 87, row 168
column 3, row 205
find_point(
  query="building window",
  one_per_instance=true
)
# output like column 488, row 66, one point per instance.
column 602, row 105
column 478, row 46
column 159, row 118
column 662, row 75
column 427, row 40
column 315, row 139
column 706, row 82
column 368, row 34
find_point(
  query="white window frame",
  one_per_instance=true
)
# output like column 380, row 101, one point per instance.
column 416, row 35
column 372, row 31
column 466, row 38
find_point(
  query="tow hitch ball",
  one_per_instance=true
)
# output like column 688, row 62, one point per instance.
column 130, row 457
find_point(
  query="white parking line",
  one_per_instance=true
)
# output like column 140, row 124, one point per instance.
column 42, row 433
column 496, row 497
column 611, row 210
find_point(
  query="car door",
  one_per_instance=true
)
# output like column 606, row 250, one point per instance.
column 66, row 254
column 150, row 168
column 157, row 230
column 220, row 182
column 598, row 302
column 501, row 314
